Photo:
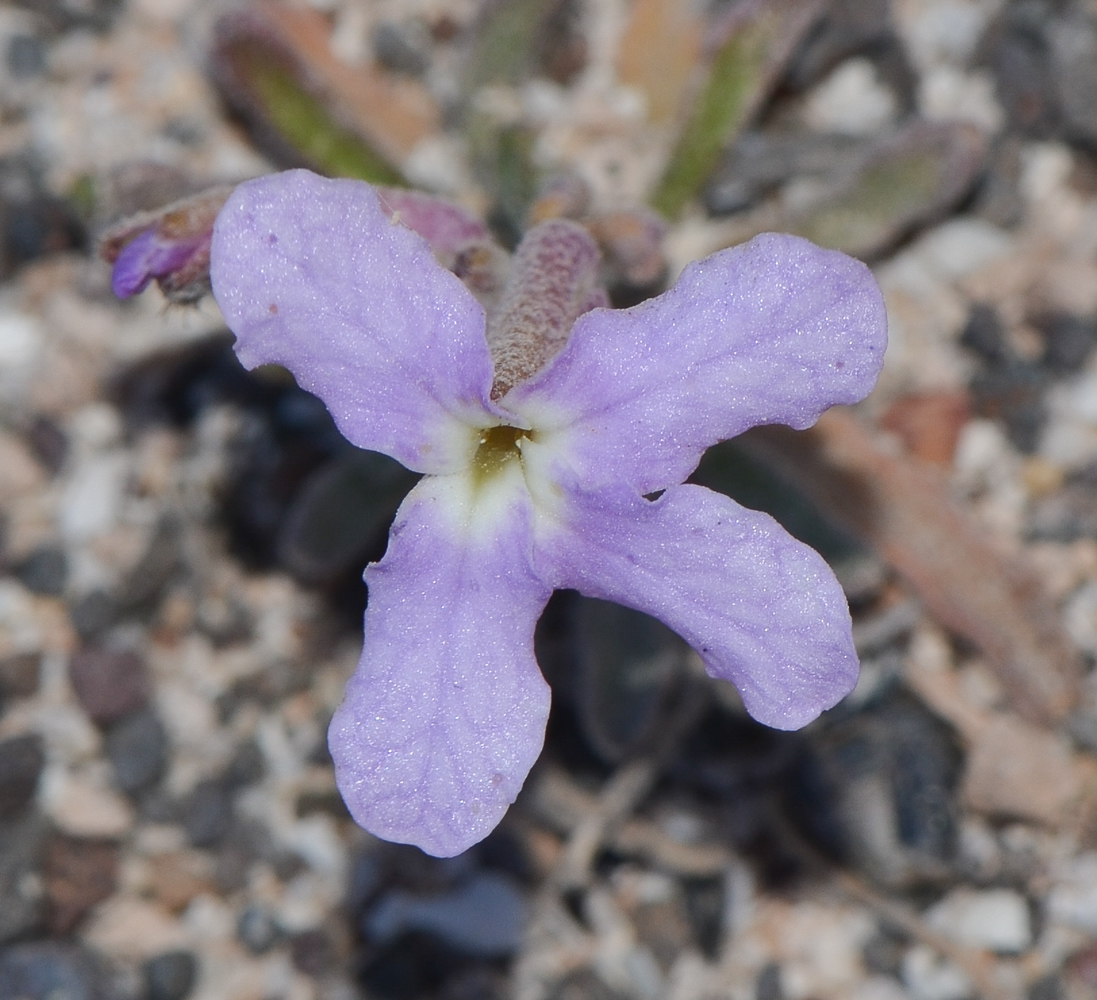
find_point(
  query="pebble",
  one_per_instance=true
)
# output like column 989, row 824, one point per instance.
column 176, row 877
column 83, row 804
column 23, row 907
column 21, row 761
column 257, row 930
column 1073, row 47
column 995, row 919
column 170, row 975
column 92, row 501
column 137, row 748
column 44, row 571
column 208, row 813
column 851, row 101
column 1017, row 770
column 486, row 916
column 130, row 929
column 78, row 874
column 927, row 976
column 22, row 473
column 1072, row 901
column 48, row 970
column 26, row 56
column 885, row 791
column 110, row 683
column 19, row 674
column 21, row 344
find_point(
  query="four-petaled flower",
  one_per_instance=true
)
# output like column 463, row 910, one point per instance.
column 542, row 479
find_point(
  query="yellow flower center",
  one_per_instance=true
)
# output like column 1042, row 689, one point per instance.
column 499, row 446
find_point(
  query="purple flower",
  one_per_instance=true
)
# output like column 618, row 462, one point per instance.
column 544, row 482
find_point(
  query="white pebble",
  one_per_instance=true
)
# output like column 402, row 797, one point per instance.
column 995, row 919
column 850, row 101
column 927, row 976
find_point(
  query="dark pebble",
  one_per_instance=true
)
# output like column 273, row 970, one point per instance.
column 247, row 765
column 21, row 761
column 768, row 984
column 137, row 748
column 877, row 790
column 47, row 970
column 48, row 442
column 79, row 873
column 19, row 674
column 404, row 48
column 208, row 813
column 313, row 952
column 170, row 976
column 45, row 570
column 583, row 984
column 257, row 930
column 1073, row 48
column 1068, row 342
column 22, row 911
column 1049, row 987
column 93, row 614
column 36, row 227
column 109, row 683
column 26, row 56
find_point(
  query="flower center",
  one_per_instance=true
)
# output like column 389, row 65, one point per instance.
column 499, row 446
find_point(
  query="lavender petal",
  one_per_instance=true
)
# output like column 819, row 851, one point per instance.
column 312, row 274
column 764, row 611
column 774, row 331
column 446, row 713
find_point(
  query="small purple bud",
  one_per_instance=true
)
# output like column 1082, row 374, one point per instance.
column 148, row 256
column 171, row 245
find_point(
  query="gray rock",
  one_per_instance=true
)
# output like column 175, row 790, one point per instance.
column 50, row 971
column 22, row 909
column 170, row 976
column 137, row 748
column 21, row 762
column 485, row 917
column 109, row 683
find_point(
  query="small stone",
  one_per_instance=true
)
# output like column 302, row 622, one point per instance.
column 44, row 571
column 851, row 101
column 171, row 976
column 137, row 748
column 1073, row 43
column 995, row 919
column 94, row 613
column 209, row 813
column 484, row 917
column 79, row 874
column 1016, row 770
column 19, row 675
column 177, row 877
column 312, row 951
column 133, row 930
column 84, row 805
column 1072, row 901
column 21, row 762
column 927, row 976
column 26, row 56
column 48, row 443
column 21, row 841
column 109, row 683
column 247, row 765
column 404, row 48
column 257, row 930
column 49, row 970
column 22, row 473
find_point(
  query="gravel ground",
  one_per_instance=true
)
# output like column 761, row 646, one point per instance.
column 176, row 629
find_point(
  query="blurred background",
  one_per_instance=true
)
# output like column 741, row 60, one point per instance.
column 181, row 542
